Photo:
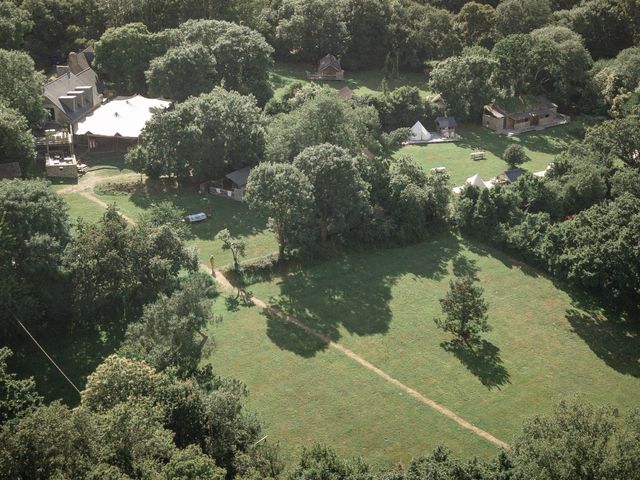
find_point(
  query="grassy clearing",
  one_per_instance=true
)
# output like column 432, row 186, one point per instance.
column 80, row 207
column 541, row 147
column 225, row 213
column 364, row 82
column 329, row 398
column 235, row 216
column 543, row 347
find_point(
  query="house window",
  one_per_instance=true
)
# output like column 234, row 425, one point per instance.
column 51, row 115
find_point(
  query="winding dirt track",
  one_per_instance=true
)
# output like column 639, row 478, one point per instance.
column 225, row 284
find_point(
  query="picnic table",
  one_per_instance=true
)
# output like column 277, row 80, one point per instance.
column 479, row 155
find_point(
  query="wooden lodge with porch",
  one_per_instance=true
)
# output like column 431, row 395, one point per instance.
column 328, row 69
column 522, row 114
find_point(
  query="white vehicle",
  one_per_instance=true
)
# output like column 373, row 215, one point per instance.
column 195, row 218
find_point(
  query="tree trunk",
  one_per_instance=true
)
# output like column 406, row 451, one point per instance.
column 324, row 230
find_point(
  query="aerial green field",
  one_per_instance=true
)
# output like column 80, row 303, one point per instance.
column 541, row 147
column 328, row 398
column 225, row 213
column 547, row 342
column 545, row 345
column 363, row 82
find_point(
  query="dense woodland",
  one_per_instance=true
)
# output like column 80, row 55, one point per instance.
column 325, row 174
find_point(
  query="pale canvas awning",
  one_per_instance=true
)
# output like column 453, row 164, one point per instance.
column 419, row 133
column 120, row 117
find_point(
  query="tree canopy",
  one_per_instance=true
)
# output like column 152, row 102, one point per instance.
column 17, row 144
column 205, row 137
column 124, row 53
column 322, row 118
column 182, row 72
column 34, row 230
column 21, row 85
column 340, row 195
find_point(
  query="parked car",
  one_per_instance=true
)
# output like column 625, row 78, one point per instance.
column 195, row 217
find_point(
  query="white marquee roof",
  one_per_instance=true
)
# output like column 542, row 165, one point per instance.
column 419, row 133
column 121, row 116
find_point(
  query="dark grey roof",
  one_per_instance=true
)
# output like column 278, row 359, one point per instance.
column 512, row 175
column 239, row 177
column 10, row 170
column 446, row 122
column 68, row 82
column 329, row 61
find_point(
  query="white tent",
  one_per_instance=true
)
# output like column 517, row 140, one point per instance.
column 419, row 134
column 476, row 181
column 120, row 117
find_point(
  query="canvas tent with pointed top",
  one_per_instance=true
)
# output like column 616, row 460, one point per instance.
column 476, row 181
column 419, row 134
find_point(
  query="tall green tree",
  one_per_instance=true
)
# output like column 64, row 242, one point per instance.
column 466, row 83
column 15, row 23
column 620, row 137
column 313, row 28
column 367, row 19
column 323, row 118
column 522, row 16
column 204, row 137
column 476, row 24
column 21, row 85
column 34, row 230
column 465, row 310
column 339, row 192
column 116, row 268
column 607, row 26
column 579, row 441
column 205, row 411
column 285, row 194
column 17, row 397
column 182, row 72
column 54, row 31
column 321, row 462
column 170, row 331
column 124, row 53
column 17, row 143
column 243, row 56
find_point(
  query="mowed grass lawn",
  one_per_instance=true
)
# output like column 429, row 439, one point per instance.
column 225, row 213
column 381, row 305
column 361, row 82
column 236, row 216
column 328, row 398
column 541, row 147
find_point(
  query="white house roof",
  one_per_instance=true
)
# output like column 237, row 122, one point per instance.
column 121, row 117
column 419, row 133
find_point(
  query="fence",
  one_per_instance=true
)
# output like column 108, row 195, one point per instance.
column 235, row 194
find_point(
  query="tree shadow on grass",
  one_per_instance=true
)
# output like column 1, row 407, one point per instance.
column 613, row 339
column 352, row 293
column 507, row 260
column 483, row 361
column 550, row 141
column 225, row 213
column 78, row 352
column 464, row 266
